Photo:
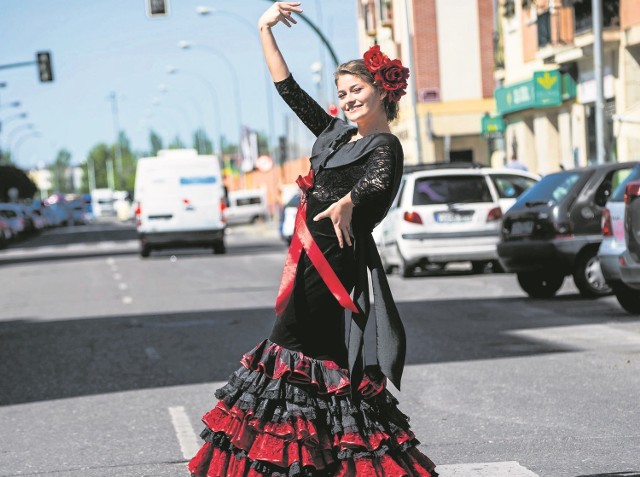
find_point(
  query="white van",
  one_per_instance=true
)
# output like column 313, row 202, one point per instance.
column 102, row 203
column 179, row 201
column 247, row 206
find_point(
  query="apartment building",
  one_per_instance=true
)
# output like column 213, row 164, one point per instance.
column 546, row 96
column 453, row 73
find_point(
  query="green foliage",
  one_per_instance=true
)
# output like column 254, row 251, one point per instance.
column 5, row 158
column 202, row 143
column 176, row 143
column 10, row 177
column 155, row 141
column 61, row 172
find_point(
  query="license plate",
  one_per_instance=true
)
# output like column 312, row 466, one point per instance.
column 453, row 217
column 522, row 228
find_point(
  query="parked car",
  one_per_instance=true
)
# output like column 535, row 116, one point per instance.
column 5, row 233
column 246, row 206
column 288, row 218
column 553, row 230
column 630, row 258
column 613, row 245
column 39, row 220
column 15, row 218
column 448, row 213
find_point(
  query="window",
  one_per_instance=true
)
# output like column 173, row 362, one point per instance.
column 511, row 186
column 621, row 179
column 248, row 201
column 386, row 11
column 450, row 190
column 553, row 187
column 544, row 29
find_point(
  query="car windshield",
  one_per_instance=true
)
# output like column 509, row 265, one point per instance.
column 554, row 187
column 618, row 193
column 451, row 189
column 510, row 186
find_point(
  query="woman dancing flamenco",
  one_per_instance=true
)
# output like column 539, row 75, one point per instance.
column 303, row 404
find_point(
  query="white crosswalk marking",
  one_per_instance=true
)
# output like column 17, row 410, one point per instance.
column 187, row 439
column 489, row 469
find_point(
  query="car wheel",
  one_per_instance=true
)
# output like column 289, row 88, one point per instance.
column 388, row 269
column 540, row 284
column 219, row 247
column 629, row 298
column 405, row 270
column 145, row 251
column 588, row 275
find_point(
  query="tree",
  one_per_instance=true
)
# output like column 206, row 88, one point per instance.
column 156, row 143
column 202, row 143
column 176, row 143
column 5, row 158
column 99, row 156
column 61, row 172
column 12, row 177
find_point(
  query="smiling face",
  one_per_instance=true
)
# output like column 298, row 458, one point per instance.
column 359, row 99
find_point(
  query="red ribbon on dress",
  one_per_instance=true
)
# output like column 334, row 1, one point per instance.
column 302, row 239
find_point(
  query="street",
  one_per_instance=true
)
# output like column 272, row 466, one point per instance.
column 108, row 360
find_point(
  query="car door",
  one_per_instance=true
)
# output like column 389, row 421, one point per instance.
column 386, row 238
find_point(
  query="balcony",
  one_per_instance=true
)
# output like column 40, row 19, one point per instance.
column 583, row 15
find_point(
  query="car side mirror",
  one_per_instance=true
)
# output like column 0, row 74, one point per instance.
column 603, row 193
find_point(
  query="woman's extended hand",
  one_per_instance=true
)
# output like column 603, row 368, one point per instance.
column 340, row 213
column 280, row 12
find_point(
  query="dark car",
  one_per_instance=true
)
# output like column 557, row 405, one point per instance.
column 630, row 259
column 553, row 230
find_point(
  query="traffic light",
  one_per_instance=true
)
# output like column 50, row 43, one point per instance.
column 157, row 8
column 44, row 66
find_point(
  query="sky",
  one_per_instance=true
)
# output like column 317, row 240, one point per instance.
column 100, row 47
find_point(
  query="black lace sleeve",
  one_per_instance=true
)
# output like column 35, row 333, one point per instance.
column 376, row 183
column 305, row 107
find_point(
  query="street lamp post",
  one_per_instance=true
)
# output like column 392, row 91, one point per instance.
column 17, row 129
column 114, row 110
column 185, row 45
column 163, row 88
column 203, row 10
column 216, row 109
column 21, row 140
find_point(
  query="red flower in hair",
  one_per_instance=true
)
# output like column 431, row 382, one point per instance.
column 374, row 58
column 388, row 74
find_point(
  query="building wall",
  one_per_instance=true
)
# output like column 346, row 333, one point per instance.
column 485, row 43
column 629, row 13
column 458, row 45
column 425, row 43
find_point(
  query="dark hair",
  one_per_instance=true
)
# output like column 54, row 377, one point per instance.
column 358, row 68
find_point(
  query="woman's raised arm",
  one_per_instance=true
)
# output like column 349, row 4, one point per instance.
column 278, row 12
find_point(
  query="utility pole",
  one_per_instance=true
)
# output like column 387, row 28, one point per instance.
column 596, row 8
column 114, row 109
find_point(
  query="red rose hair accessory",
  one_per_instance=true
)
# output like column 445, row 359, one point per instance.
column 388, row 74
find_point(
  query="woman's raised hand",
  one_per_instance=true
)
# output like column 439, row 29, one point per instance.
column 340, row 213
column 280, row 12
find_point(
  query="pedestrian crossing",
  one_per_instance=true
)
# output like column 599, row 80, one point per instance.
column 488, row 469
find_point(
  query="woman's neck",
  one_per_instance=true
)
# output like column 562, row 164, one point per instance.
column 366, row 128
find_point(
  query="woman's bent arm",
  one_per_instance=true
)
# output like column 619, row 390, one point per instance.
column 278, row 12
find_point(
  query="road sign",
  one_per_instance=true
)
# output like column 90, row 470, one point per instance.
column 264, row 163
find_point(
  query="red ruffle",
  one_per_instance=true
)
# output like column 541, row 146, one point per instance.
column 277, row 362
column 297, row 440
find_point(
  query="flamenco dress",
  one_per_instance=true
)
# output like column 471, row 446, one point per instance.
column 303, row 404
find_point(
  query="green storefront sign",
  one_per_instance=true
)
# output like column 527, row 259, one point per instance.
column 492, row 126
column 546, row 89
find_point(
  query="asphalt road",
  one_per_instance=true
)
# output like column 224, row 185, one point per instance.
column 107, row 360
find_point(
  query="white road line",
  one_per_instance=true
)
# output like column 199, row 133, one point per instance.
column 489, row 469
column 122, row 286
column 184, row 432
column 110, row 261
column 127, row 300
column 117, row 276
column 585, row 337
column 152, row 353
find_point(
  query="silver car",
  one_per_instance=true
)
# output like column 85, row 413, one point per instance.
column 630, row 258
column 448, row 214
column 613, row 244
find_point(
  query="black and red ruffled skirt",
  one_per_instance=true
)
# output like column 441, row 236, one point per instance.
column 284, row 414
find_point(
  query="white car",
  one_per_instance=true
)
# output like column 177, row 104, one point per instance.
column 448, row 213
column 247, row 206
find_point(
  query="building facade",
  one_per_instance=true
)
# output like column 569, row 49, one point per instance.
column 546, row 94
column 452, row 83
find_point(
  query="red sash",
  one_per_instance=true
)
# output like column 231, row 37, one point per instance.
column 302, row 239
